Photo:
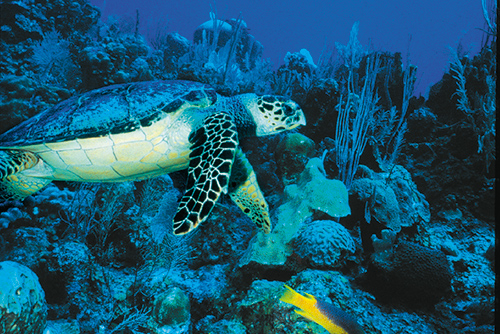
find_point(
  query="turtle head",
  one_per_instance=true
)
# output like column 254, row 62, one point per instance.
column 273, row 114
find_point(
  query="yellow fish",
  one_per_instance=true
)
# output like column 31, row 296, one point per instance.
column 333, row 319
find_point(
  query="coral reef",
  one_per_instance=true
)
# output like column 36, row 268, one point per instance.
column 409, row 248
column 27, row 245
column 62, row 327
column 10, row 216
column 455, row 156
column 171, row 307
column 391, row 198
column 313, row 192
column 208, row 325
column 23, row 308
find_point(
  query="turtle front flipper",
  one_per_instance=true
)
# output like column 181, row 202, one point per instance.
column 15, row 180
column 213, row 148
column 245, row 192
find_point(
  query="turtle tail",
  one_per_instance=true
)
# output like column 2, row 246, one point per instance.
column 14, row 184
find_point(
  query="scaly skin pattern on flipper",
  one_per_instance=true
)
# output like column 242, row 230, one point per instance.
column 212, row 155
column 245, row 192
column 12, row 162
column 16, row 185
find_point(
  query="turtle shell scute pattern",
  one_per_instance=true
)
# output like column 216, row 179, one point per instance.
column 113, row 109
column 201, row 97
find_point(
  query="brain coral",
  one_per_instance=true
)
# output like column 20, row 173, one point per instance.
column 412, row 274
column 421, row 272
column 324, row 243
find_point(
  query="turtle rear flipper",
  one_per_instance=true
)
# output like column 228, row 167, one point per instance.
column 245, row 192
column 213, row 149
column 15, row 183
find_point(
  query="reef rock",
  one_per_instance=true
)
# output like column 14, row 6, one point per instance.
column 391, row 198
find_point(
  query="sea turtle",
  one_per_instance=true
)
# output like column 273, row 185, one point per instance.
column 141, row 130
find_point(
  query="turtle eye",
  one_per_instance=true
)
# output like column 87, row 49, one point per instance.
column 287, row 110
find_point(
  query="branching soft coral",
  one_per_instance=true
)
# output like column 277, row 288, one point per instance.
column 479, row 109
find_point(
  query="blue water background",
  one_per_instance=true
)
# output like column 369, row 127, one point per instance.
column 423, row 29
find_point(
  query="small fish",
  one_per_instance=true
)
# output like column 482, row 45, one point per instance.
column 333, row 319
